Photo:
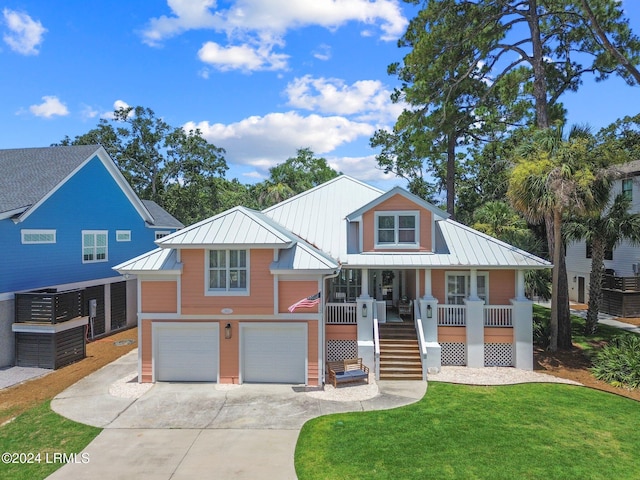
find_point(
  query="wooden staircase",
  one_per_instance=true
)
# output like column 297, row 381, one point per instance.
column 399, row 352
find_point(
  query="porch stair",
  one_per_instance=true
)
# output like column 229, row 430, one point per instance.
column 399, row 352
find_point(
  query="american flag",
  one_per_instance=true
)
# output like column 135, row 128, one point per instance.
column 308, row 302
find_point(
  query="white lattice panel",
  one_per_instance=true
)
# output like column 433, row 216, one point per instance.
column 340, row 349
column 498, row 355
column 453, row 353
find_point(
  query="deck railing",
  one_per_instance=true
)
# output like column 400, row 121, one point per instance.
column 49, row 307
column 452, row 315
column 498, row 316
column 341, row 313
column 621, row 283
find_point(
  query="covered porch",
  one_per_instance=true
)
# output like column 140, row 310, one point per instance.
column 468, row 317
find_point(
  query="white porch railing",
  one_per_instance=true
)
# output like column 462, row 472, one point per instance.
column 452, row 315
column 341, row 313
column 498, row 316
column 376, row 347
column 417, row 319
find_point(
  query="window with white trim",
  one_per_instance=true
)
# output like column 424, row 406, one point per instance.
column 38, row 236
column 228, row 272
column 397, row 229
column 123, row 235
column 94, row 246
column 459, row 287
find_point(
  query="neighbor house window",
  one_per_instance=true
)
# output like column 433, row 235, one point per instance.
column 161, row 233
column 38, row 236
column 608, row 253
column 627, row 188
column 94, row 246
column 123, row 235
column 228, row 272
column 459, row 287
column 397, row 229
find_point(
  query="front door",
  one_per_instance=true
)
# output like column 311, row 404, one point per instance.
column 580, row 289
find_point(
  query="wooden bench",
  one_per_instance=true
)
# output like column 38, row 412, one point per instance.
column 347, row 371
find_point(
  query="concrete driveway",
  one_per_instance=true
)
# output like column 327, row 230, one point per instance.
column 185, row 431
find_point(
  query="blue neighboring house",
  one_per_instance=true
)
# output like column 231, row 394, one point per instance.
column 67, row 215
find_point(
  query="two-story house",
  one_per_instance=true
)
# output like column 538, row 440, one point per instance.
column 67, row 215
column 621, row 285
column 340, row 271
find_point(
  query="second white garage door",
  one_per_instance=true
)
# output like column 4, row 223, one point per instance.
column 274, row 352
column 186, row 352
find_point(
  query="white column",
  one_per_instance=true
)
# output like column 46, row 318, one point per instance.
column 520, row 295
column 365, row 330
column 475, row 333
column 430, row 329
column 107, row 308
column 364, row 283
column 523, row 333
column 473, row 284
column 428, row 295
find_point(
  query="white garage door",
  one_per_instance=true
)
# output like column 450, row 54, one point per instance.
column 186, row 352
column 274, row 353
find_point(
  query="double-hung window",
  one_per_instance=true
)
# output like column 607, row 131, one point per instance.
column 397, row 229
column 627, row 188
column 228, row 272
column 459, row 287
column 94, row 246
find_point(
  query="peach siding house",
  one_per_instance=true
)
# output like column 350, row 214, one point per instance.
column 218, row 299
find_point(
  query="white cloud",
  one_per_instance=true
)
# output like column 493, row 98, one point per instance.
column 323, row 52
column 264, row 141
column 25, row 34
column 242, row 57
column 50, row 107
column 368, row 100
column 276, row 16
column 365, row 169
column 117, row 105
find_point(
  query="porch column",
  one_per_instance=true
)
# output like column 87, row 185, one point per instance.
column 365, row 330
column 523, row 333
column 430, row 329
column 473, row 285
column 427, row 285
column 520, row 295
column 475, row 332
column 364, row 282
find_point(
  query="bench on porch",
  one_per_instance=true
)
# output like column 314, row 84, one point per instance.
column 347, row 371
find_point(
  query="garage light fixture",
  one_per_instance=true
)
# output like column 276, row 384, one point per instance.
column 227, row 331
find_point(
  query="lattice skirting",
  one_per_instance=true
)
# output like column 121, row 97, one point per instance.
column 498, row 355
column 454, row 354
column 340, row 349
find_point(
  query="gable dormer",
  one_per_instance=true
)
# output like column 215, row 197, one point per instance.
column 395, row 221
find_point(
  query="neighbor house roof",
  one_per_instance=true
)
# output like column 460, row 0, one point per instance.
column 31, row 175
column 161, row 218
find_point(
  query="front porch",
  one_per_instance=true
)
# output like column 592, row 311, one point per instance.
column 468, row 333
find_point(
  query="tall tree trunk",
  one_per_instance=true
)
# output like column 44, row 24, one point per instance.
column 537, row 63
column 564, row 313
column 595, row 285
column 557, row 248
column 451, row 175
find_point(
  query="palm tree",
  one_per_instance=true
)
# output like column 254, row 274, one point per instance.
column 604, row 231
column 552, row 176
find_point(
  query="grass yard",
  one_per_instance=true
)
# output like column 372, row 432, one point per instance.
column 41, row 431
column 527, row 431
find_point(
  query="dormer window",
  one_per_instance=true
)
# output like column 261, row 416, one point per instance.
column 397, row 229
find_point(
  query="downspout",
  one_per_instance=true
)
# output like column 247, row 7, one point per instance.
column 323, row 319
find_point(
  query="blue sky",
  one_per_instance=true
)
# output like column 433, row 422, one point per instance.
column 260, row 78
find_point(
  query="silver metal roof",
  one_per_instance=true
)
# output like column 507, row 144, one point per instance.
column 160, row 260
column 303, row 258
column 236, row 228
column 319, row 215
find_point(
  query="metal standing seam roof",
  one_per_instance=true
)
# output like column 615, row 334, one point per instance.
column 160, row 260
column 319, row 215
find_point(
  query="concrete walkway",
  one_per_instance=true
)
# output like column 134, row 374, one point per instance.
column 185, row 431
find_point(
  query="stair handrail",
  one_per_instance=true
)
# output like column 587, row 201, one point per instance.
column 422, row 344
column 376, row 346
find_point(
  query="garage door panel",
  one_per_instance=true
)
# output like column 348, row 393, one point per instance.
column 274, row 353
column 186, row 352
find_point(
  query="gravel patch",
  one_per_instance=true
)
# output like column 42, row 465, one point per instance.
column 354, row 392
column 128, row 387
column 493, row 376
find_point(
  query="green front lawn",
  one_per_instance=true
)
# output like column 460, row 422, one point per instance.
column 42, row 436
column 528, row 431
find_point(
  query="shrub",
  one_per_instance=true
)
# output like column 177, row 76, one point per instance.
column 618, row 363
column 541, row 330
